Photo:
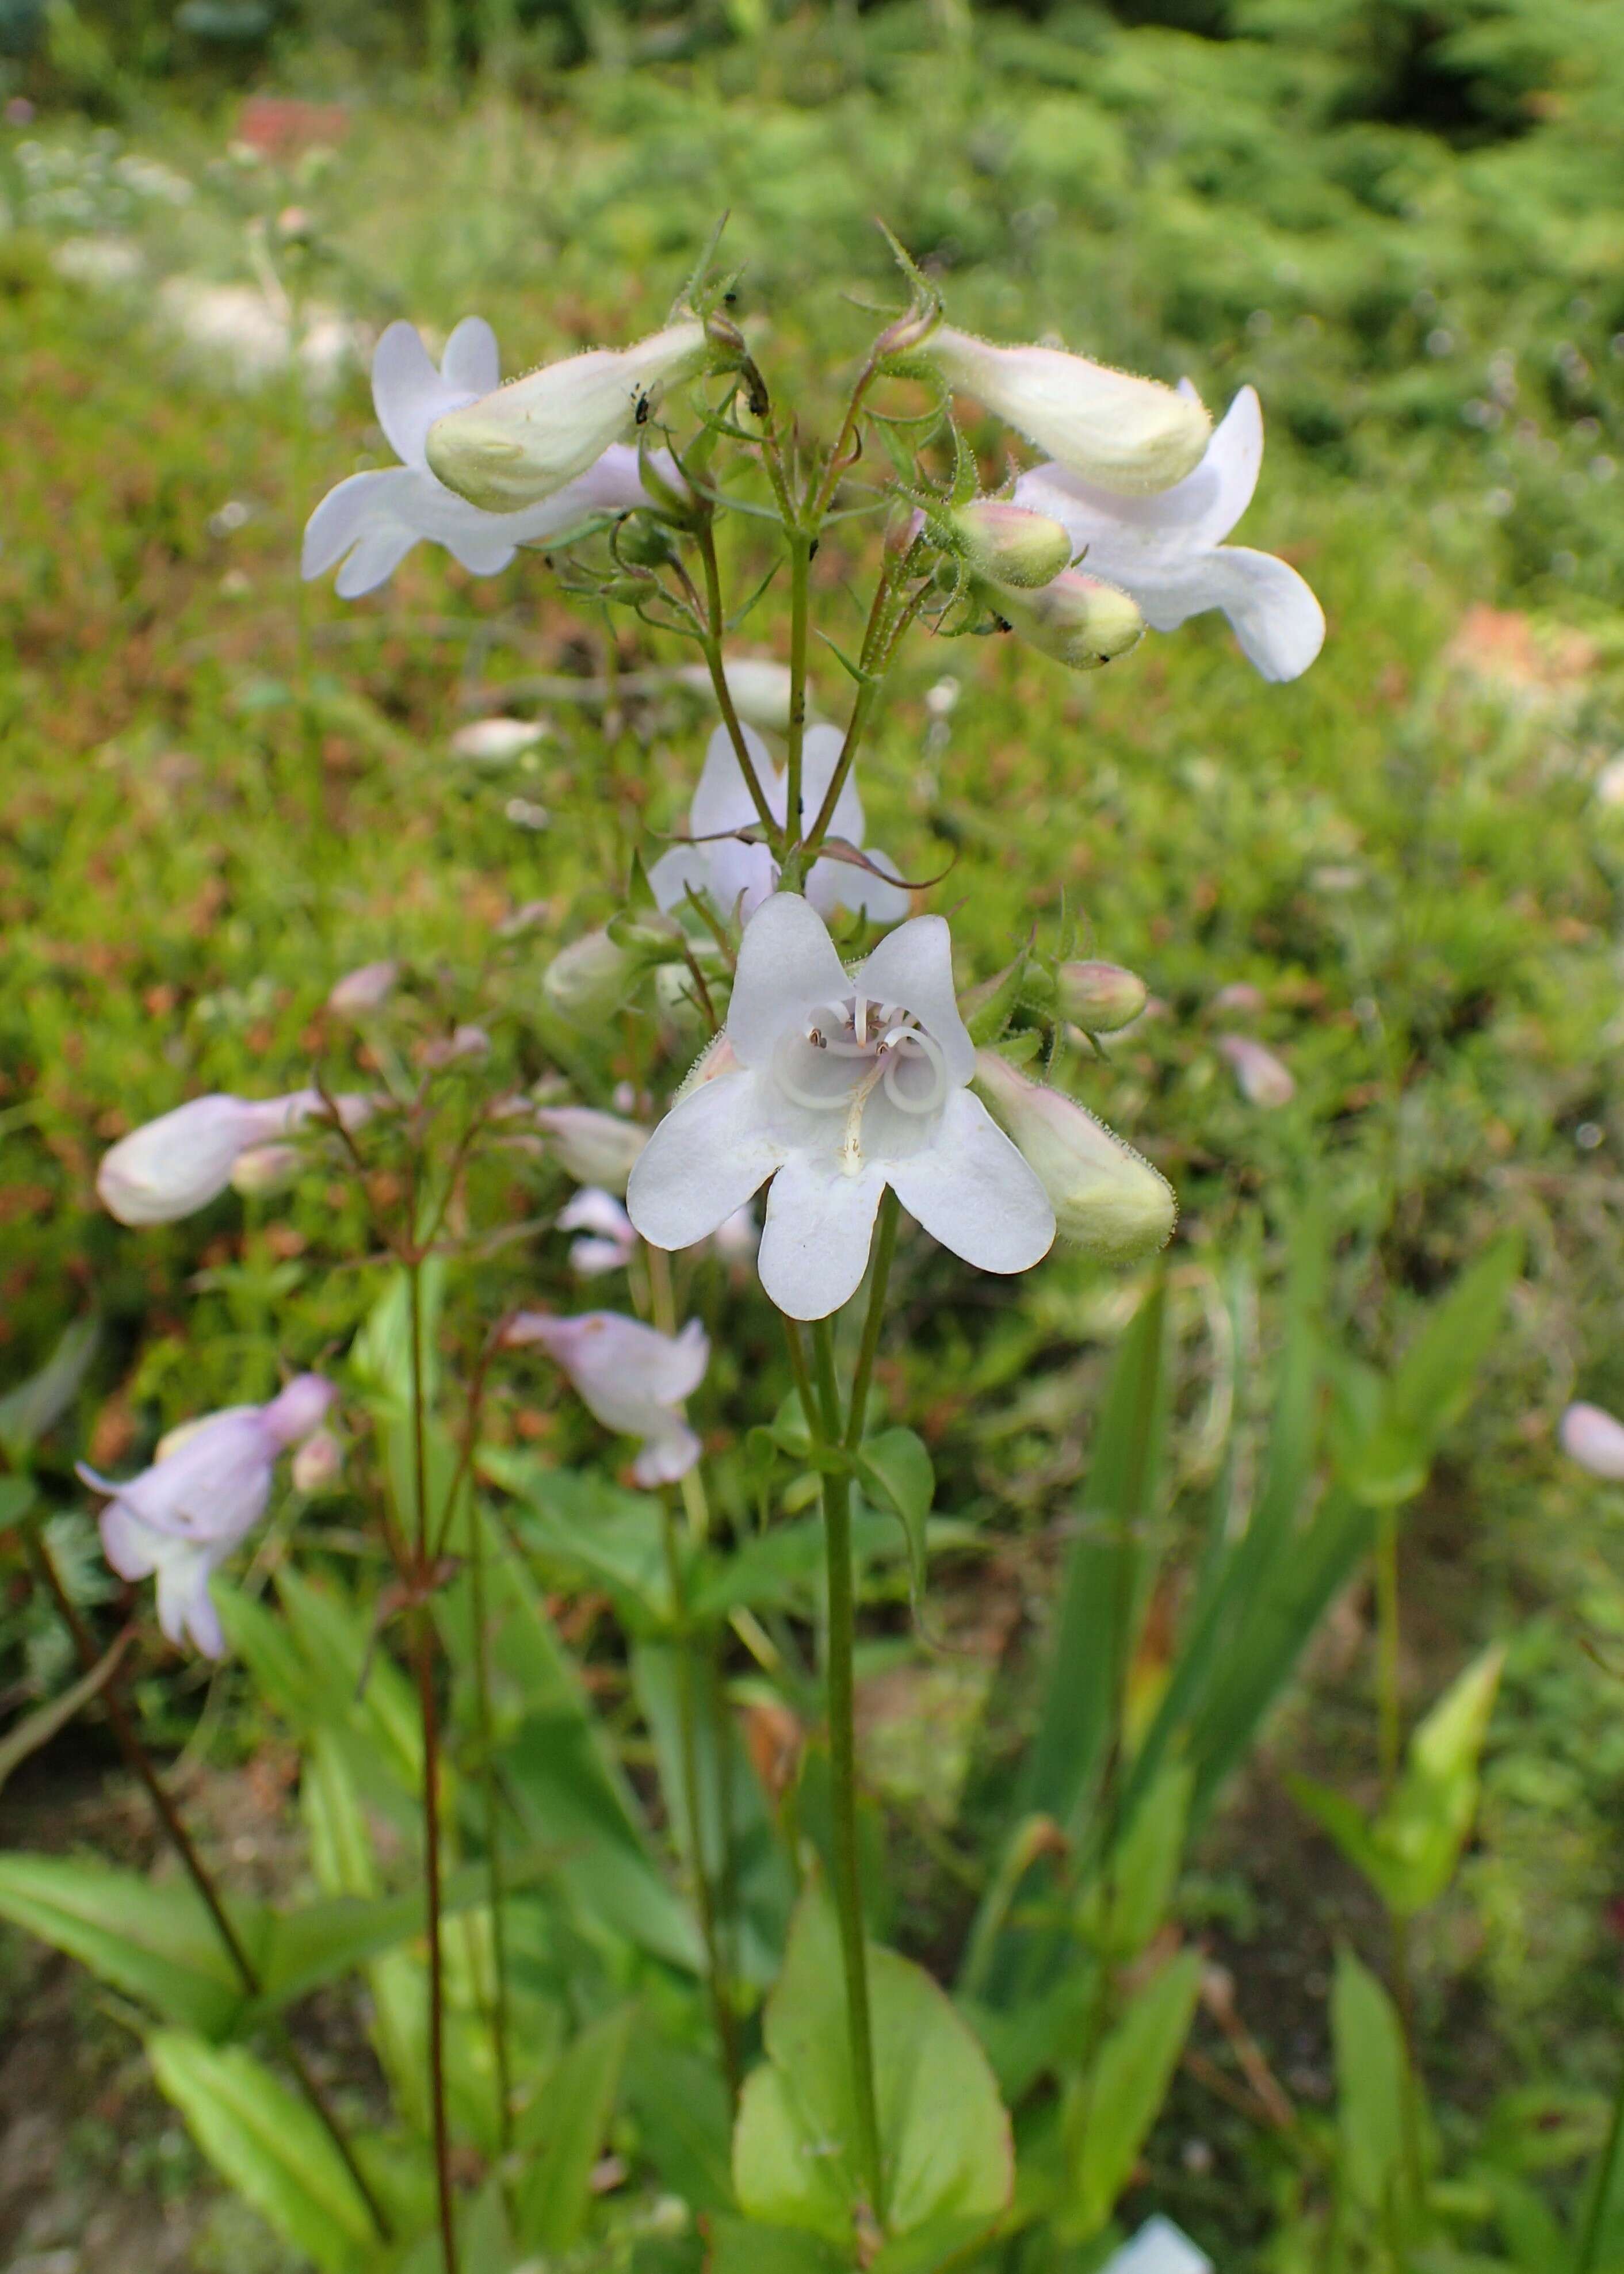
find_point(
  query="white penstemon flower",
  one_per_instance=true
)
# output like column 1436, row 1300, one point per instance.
column 182, row 1518
column 1169, row 552
column 370, row 522
column 738, row 877
column 838, row 1085
column 171, row 1167
column 630, row 1377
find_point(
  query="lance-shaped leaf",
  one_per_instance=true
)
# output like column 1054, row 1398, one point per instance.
column 1109, row 2113
column 155, row 1943
column 1409, row 1852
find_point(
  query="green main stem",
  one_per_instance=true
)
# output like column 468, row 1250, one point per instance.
column 800, row 562
column 843, row 1774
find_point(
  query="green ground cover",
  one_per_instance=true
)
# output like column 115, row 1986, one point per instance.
column 220, row 792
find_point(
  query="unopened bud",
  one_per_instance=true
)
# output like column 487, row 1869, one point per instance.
column 1127, row 434
column 1591, row 1435
column 1263, row 1079
column 1076, row 618
column 318, row 1463
column 587, row 982
column 594, row 1148
column 1099, row 997
column 1007, row 545
column 1106, row 1197
column 366, row 990
column 526, row 441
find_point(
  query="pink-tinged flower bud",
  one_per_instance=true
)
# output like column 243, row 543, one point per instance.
column 527, row 440
column 587, row 982
column 593, row 1147
column 318, row 1463
column 1076, row 619
column 1099, row 997
column 463, row 1042
column 171, row 1167
column 298, row 1408
column 366, row 990
column 1591, row 1436
column 1263, row 1079
column 1126, row 434
column 1106, row 1197
column 1007, row 545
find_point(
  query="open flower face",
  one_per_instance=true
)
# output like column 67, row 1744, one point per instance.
column 370, row 522
column 736, row 877
column 1169, row 552
column 842, row 1083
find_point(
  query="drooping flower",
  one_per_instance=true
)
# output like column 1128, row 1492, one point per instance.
column 593, row 1147
column 1168, row 551
column 607, row 1240
column 587, row 981
column 735, row 875
column 1076, row 618
column 371, row 522
column 837, row 1085
column 1106, row 1197
column 632, row 1378
column 181, row 1518
column 364, row 989
column 1263, row 1079
column 509, row 448
column 1592, row 1435
column 171, row 1167
column 1129, row 435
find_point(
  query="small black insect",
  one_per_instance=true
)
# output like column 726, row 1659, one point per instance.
column 730, row 300
column 641, row 415
column 758, row 400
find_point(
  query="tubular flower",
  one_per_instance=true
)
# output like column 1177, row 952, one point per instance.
column 1080, row 621
column 1106, row 1197
column 507, row 449
column 841, row 1083
column 181, row 1518
column 607, row 1238
column 371, row 522
column 171, row 1167
column 1168, row 551
column 630, row 1377
column 593, row 1147
column 1591, row 1435
column 736, row 875
column 1128, row 435
column 587, row 982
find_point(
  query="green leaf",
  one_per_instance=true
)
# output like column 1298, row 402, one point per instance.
column 1410, row 1852
column 1373, row 2083
column 155, row 1943
column 742, row 2247
column 1131, row 1898
column 944, row 2137
column 1110, row 2112
column 570, row 2116
column 684, row 2124
column 36, row 1405
column 271, row 2148
column 894, row 1471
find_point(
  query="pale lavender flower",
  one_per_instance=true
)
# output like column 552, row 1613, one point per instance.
column 593, row 1147
column 1591, row 1435
column 630, row 1377
column 181, row 1518
column 1263, row 1079
column 607, row 1240
column 170, row 1168
column 364, row 989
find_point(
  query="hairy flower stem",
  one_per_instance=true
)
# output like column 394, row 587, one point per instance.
column 716, row 625
column 138, row 1762
column 843, row 1772
column 879, row 1280
column 800, row 545
column 424, row 1640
